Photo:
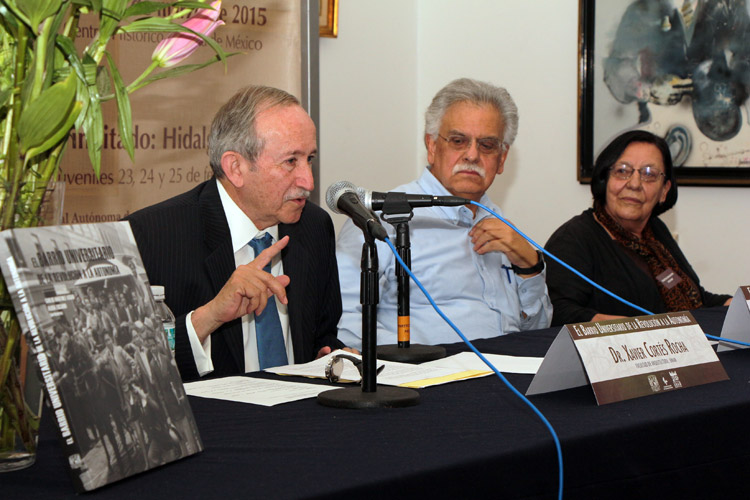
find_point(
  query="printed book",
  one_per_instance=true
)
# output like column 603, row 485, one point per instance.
column 84, row 303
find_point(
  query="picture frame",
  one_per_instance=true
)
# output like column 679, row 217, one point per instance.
column 632, row 78
column 329, row 18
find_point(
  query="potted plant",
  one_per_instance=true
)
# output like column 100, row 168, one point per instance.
column 47, row 88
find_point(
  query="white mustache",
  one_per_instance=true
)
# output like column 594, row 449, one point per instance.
column 299, row 193
column 463, row 167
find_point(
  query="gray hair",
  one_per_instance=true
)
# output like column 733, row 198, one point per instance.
column 474, row 91
column 233, row 127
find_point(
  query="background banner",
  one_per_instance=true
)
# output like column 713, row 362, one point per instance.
column 172, row 117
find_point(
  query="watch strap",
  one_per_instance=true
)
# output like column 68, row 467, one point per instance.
column 536, row 268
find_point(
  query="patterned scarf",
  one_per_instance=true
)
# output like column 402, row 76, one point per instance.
column 685, row 294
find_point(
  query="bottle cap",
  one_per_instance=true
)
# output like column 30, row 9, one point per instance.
column 158, row 292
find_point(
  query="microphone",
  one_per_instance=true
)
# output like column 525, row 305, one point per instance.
column 397, row 202
column 342, row 198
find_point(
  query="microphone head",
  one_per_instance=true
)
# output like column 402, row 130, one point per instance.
column 335, row 191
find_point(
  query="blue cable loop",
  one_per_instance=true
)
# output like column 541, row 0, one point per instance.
column 487, row 362
column 724, row 339
column 585, row 278
column 574, row 271
column 491, row 366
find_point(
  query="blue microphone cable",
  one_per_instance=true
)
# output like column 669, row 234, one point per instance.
column 585, row 278
column 724, row 339
column 487, row 362
column 565, row 265
column 490, row 365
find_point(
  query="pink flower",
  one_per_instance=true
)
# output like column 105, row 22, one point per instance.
column 173, row 50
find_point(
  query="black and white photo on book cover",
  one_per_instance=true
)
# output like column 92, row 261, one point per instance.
column 84, row 302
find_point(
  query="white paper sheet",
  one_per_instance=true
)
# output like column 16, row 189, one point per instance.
column 395, row 374
column 254, row 390
column 506, row 364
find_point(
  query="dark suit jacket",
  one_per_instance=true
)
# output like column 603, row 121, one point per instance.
column 186, row 247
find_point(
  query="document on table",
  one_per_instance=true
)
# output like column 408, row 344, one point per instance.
column 506, row 364
column 254, row 390
column 395, row 374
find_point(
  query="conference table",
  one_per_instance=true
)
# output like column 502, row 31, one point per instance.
column 469, row 439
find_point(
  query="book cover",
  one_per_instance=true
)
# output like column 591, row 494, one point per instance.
column 84, row 303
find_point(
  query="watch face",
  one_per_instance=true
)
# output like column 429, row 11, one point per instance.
column 334, row 369
column 336, row 365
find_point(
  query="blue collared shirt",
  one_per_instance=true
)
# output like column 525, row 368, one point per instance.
column 477, row 292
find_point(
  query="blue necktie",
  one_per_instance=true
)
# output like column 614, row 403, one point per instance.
column 271, row 349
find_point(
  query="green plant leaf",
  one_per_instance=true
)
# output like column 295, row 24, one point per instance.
column 85, row 3
column 43, row 118
column 5, row 97
column 50, row 49
column 92, row 70
column 83, row 95
column 38, row 10
column 103, row 81
column 124, row 118
column 93, row 127
column 111, row 16
column 144, row 8
column 158, row 24
column 187, row 4
column 9, row 20
column 179, row 70
column 69, row 51
column 60, row 133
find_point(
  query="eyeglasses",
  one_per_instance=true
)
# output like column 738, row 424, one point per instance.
column 624, row 171
column 485, row 145
column 335, row 366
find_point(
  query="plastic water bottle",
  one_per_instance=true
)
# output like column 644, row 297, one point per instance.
column 164, row 314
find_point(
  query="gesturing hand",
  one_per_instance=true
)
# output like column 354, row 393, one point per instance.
column 246, row 291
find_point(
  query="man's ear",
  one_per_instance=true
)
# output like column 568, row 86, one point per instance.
column 430, row 144
column 233, row 164
column 501, row 160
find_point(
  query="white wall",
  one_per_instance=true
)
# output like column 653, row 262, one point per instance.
column 368, row 92
column 390, row 58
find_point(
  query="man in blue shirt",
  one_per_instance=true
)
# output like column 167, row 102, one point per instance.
column 486, row 278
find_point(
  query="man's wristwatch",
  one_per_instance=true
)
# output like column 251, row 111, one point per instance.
column 536, row 268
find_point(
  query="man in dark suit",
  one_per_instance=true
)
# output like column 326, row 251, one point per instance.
column 261, row 147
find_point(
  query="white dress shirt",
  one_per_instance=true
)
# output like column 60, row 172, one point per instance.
column 242, row 231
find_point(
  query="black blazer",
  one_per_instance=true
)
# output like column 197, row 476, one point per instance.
column 186, row 247
column 584, row 244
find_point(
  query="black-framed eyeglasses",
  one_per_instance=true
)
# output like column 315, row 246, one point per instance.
column 624, row 171
column 485, row 145
column 335, row 366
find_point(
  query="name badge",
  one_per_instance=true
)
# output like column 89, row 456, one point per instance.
column 669, row 279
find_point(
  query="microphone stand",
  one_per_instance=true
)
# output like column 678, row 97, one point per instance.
column 369, row 396
column 398, row 215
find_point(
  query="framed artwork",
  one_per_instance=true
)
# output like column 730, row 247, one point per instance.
column 677, row 68
column 329, row 18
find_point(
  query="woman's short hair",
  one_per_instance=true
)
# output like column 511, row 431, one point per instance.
column 233, row 127
column 613, row 152
column 476, row 92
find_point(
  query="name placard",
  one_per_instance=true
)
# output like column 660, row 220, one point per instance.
column 737, row 321
column 629, row 358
